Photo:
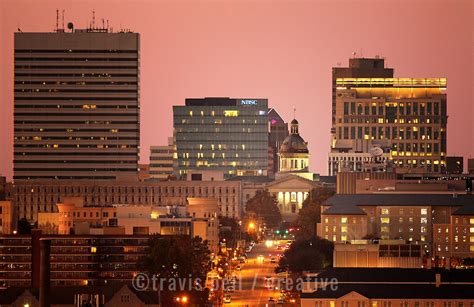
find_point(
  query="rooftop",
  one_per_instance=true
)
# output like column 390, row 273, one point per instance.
column 392, row 82
column 388, row 199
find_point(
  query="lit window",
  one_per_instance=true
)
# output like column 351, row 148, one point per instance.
column 343, row 220
column 343, row 229
column 385, row 211
column 385, row 220
column 424, row 211
column 231, row 113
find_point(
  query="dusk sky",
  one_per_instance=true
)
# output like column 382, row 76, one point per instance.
column 280, row 50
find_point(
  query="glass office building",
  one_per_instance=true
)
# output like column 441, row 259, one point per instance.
column 228, row 134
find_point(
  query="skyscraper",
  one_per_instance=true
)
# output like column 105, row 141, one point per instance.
column 228, row 134
column 76, row 104
column 401, row 119
column 358, row 68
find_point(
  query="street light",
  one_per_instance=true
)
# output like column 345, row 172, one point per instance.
column 251, row 225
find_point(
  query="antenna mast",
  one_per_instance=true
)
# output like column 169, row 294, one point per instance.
column 63, row 19
column 93, row 19
column 57, row 20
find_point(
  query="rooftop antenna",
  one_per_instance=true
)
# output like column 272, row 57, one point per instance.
column 103, row 23
column 63, row 19
column 294, row 112
column 57, row 20
column 93, row 19
column 354, row 54
column 107, row 25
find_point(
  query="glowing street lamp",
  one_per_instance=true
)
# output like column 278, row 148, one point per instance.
column 251, row 226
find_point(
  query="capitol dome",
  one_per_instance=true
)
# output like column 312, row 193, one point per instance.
column 294, row 143
column 294, row 153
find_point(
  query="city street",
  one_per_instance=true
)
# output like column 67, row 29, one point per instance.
column 250, row 290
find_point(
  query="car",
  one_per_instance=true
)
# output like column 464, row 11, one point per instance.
column 230, row 289
column 281, row 300
column 271, row 299
column 272, row 260
column 227, row 299
column 238, row 268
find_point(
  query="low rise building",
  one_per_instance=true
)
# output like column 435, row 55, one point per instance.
column 372, row 287
column 30, row 198
column 443, row 224
column 76, row 260
column 198, row 218
column 383, row 254
column 115, row 295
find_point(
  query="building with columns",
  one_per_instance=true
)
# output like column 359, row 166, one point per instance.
column 290, row 192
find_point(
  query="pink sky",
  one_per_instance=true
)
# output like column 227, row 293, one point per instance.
column 280, row 50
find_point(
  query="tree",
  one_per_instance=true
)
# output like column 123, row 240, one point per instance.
column 24, row 227
column 313, row 254
column 179, row 259
column 264, row 205
column 310, row 213
column 229, row 230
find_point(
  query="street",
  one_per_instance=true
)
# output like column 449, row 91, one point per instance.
column 250, row 290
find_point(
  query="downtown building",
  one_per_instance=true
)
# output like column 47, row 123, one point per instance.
column 163, row 161
column 440, row 222
column 76, row 260
column 380, row 122
column 41, row 196
column 76, row 105
column 224, row 134
column 387, row 287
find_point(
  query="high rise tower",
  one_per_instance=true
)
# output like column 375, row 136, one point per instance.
column 380, row 121
column 76, row 105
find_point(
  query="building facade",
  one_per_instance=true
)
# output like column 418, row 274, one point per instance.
column 222, row 134
column 358, row 68
column 372, row 287
column 30, row 198
column 398, row 120
column 384, row 254
column 163, row 161
column 200, row 217
column 443, row 224
column 76, row 105
column 76, row 260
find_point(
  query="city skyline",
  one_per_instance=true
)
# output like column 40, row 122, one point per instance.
column 178, row 48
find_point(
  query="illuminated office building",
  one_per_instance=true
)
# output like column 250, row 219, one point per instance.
column 389, row 121
column 76, row 105
column 224, row 134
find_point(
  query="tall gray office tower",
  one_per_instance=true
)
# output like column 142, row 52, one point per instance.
column 76, row 104
column 224, row 134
